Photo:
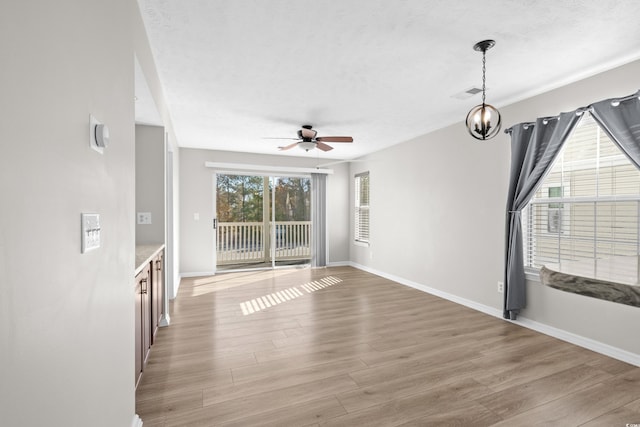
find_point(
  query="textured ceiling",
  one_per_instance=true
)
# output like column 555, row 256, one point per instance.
column 382, row 71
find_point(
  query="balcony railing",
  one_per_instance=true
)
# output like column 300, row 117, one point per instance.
column 247, row 242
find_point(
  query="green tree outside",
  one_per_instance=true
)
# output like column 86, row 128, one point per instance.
column 240, row 198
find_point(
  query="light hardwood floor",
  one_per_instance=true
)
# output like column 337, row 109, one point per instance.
column 347, row 348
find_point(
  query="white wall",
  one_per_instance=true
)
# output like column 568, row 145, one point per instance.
column 197, row 192
column 150, row 183
column 173, row 244
column 438, row 216
column 66, row 318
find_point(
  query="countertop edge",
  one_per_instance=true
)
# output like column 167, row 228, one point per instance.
column 144, row 254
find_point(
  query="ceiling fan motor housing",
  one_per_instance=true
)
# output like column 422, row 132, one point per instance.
column 307, row 133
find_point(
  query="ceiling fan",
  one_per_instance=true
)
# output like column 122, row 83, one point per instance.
column 307, row 140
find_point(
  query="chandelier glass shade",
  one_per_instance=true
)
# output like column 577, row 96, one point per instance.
column 307, row 145
column 483, row 121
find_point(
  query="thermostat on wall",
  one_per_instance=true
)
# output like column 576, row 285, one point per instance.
column 98, row 135
column 90, row 231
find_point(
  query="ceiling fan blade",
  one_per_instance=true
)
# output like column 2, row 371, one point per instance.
column 275, row 137
column 322, row 146
column 288, row 146
column 335, row 139
column 308, row 133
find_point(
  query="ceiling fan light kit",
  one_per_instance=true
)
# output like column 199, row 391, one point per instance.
column 307, row 145
column 483, row 121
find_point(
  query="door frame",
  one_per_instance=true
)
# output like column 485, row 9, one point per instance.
column 271, row 176
column 246, row 168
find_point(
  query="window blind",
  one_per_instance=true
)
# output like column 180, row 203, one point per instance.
column 361, row 225
column 587, row 206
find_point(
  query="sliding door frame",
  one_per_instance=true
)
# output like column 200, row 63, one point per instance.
column 271, row 176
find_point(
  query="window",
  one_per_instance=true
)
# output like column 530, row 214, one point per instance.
column 587, row 206
column 362, row 207
column 554, row 216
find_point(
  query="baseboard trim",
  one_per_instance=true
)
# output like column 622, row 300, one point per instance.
column 339, row 264
column 579, row 340
column 445, row 295
column 137, row 421
column 165, row 320
column 196, row 274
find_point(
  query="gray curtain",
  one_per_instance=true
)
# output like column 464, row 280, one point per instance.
column 534, row 146
column 620, row 119
column 319, row 219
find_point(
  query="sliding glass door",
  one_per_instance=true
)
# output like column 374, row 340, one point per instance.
column 291, row 215
column 262, row 221
column 241, row 234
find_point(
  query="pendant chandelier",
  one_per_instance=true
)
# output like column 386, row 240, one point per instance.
column 483, row 121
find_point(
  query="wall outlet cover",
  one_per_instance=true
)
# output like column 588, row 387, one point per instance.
column 144, row 218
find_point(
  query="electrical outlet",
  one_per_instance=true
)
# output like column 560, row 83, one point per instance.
column 501, row 287
column 144, row 217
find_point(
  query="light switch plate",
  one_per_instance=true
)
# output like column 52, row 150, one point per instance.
column 144, row 217
column 90, row 227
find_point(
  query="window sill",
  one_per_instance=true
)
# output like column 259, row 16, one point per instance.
column 362, row 244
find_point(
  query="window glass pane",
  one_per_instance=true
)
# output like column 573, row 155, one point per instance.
column 364, row 190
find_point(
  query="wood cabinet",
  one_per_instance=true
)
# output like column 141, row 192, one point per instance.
column 149, row 293
column 143, row 320
column 157, row 293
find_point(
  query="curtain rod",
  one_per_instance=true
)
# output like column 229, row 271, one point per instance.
column 580, row 110
column 265, row 168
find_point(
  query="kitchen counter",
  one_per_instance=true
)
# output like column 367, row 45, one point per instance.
column 144, row 254
column 614, row 279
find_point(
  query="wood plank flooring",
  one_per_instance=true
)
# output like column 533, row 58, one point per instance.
column 341, row 347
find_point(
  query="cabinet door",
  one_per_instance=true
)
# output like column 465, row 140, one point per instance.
column 143, row 321
column 161, row 296
column 138, row 332
column 146, row 314
column 157, row 291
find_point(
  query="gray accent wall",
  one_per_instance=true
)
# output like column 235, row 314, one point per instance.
column 437, row 212
column 438, row 217
column 150, row 183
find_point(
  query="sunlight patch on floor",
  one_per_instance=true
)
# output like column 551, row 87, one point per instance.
column 271, row 300
column 325, row 282
column 227, row 280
